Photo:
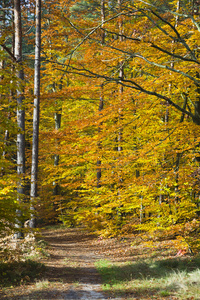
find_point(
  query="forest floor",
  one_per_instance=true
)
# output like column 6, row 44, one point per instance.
column 72, row 257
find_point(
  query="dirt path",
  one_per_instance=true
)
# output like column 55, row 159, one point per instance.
column 70, row 271
column 72, row 262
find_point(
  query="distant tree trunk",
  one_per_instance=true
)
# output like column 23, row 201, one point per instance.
column 162, row 197
column 1, row 68
column 142, row 208
column 57, row 118
column 34, row 166
column 20, row 114
column 121, row 76
column 99, row 144
column 120, row 114
column 101, row 102
column 102, row 21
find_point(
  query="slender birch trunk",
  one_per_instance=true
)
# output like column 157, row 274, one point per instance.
column 35, row 143
column 20, row 114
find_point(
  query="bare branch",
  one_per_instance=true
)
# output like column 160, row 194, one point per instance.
column 180, row 39
column 197, row 82
column 153, row 46
column 133, row 85
column 8, row 51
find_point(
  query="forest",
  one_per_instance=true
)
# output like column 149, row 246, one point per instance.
column 100, row 117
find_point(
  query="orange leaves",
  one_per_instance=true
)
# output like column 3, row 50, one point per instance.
column 143, row 140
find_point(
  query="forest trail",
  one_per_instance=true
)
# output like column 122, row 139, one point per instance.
column 70, row 268
column 73, row 255
column 132, row 268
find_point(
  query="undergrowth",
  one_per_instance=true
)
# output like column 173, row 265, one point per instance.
column 19, row 260
column 15, row 273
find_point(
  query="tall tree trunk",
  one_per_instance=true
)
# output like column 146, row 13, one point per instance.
column 2, row 27
column 5, row 154
column 34, row 166
column 2, row 65
column 20, row 114
column 120, row 114
column 121, row 76
column 101, row 102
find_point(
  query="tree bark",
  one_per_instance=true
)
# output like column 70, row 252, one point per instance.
column 20, row 115
column 57, row 118
column 101, row 102
column 36, row 110
column 121, row 76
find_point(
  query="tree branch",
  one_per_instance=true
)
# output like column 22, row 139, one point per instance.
column 197, row 82
column 9, row 52
column 133, row 85
column 153, row 46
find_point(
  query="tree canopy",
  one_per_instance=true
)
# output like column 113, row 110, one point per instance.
column 120, row 115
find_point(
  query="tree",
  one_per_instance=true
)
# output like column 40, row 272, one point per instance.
column 101, row 102
column 155, row 54
column 132, row 164
column 20, row 112
column 34, row 167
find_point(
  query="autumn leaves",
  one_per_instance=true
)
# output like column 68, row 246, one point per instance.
column 131, row 164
